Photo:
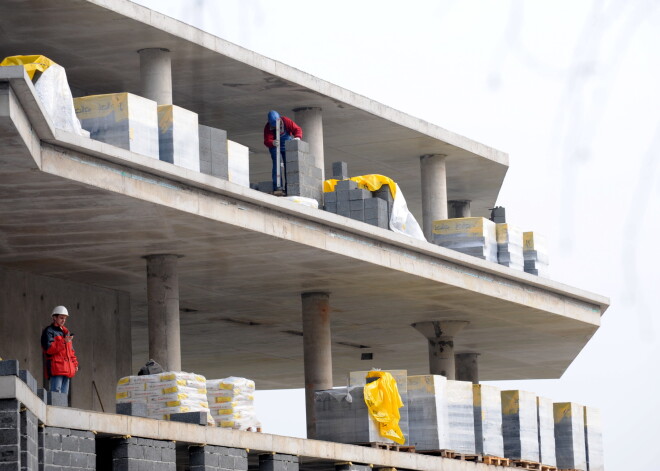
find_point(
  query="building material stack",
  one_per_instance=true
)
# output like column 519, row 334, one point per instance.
column 546, row 425
column 569, row 435
column 472, row 236
column 213, row 155
column 121, row 119
column 488, row 420
column 427, row 412
column 238, row 163
column 593, row 435
column 535, row 252
column 231, row 401
column 342, row 417
column 303, row 178
column 510, row 246
column 178, row 136
column 357, row 203
column 460, row 412
column 520, row 426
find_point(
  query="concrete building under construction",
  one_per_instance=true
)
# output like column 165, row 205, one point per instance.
column 209, row 275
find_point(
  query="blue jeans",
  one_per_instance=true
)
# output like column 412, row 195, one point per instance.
column 59, row 384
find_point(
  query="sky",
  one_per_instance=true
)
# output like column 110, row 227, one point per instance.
column 569, row 89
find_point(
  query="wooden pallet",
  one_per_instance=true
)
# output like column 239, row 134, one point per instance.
column 497, row 460
column 547, row 467
column 454, row 455
column 525, row 464
column 390, row 446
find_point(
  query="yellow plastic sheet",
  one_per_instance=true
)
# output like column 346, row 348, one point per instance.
column 32, row 64
column 371, row 182
column 383, row 401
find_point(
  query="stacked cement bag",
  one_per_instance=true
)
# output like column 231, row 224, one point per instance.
column 165, row 393
column 510, row 246
column 535, row 252
column 231, row 401
column 471, row 236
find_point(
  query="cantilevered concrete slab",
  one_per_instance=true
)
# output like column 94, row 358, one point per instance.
column 78, row 209
column 233, row 88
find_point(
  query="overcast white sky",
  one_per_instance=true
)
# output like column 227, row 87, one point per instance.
column 570, row 90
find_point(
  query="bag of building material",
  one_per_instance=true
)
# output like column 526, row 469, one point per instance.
column 231, row 402
column 52, row 88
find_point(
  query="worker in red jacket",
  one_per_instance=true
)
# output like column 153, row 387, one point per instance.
column 288, row 130
column 60, row 362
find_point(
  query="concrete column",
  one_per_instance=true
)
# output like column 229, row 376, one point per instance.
column 440, row 335
column 467, row 367
column 434, row 191
column 317, row 351
column 459, row 209
column 156, row 75
column 163, row 311
column 311, row 121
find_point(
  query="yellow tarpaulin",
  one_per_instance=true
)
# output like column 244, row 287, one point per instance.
column 383, row 401
column 32, row 64
column 367, row 182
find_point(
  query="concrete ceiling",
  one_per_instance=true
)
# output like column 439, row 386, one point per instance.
column 232, row 88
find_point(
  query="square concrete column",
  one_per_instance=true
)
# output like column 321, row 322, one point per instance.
column 163, row 311
column 310, row 119
column 217, row 458
column 440, row 335
column 278, row 462
column 138, row 454
column 434, row 191
column 317, row 351
column 156, row 75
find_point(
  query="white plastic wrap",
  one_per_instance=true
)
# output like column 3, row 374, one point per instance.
column 428, row 417
column 569, row 435
column 238, row 160
column 178, row 136
column 535, row 253
column 593, row 433
column 342, row 416
column 309, row 202
column 231, row 401
column 460, row 411
column 402, row 220
column 546, row 426
column 510, row 246
column 520, row 425
column 471, row 236
column 488, row 420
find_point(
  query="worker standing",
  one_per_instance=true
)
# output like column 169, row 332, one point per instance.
column 60, row 362
column 288, row 130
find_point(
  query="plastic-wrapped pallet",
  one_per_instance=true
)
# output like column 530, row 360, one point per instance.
column 472, row 236
column 428, row 419
column 178, row 136
column 520, row 426
column 510, row 246
column 342, row 416
column 231, row 401
column 121, row 119
column 460, row 411
column 488, row 420
column 546, row 425
column 593, row 435
column 359, row 378
column 535, row 253
column 569, row 435
column 238, row 163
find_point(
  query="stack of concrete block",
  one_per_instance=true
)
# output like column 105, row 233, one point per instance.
column 593, row 437
column 472, row 236
column 121, row 119
column 520, row 425
column 67, row 449
column 510, row 246
column 488, row 420
column 357, row 203
column 460, row 412
column 546, row 425
column 278, row 462
column 535, row 253
column 569, row 435
column 30, row 442
column 217, row 458
column 238, row 163
column 178, row 136
column 213, row 152
column 303, row 177
column 342, row 416
column 359, row 379
column 384, row 193
column 142, row 453
column 428, row 418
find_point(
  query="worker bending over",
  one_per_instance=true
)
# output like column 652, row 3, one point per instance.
column 288, row 130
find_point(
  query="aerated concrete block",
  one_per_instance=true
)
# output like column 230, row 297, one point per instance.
column 460, row 410
column 278, row 462
column 57, row 399
column 428, row 418
column 346, row 185
column 488, row 420
column 178, row 136
column 569, row 435
column 213, row 153
column 197, row 418
column 520, row 425
column 135, row 409
column 339, row 170
column 28, row 379
column 593, row 436
column 546, row 425
column 9, row 368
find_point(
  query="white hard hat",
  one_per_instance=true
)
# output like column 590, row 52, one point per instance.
column 60, row 310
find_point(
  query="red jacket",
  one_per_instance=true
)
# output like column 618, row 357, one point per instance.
column 289, row 127
column 60, row 358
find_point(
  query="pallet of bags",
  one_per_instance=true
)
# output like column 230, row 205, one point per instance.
column 231, row 402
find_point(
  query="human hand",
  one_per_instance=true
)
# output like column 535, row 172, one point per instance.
column 276, row 142
column 68, row 338
column 296, row 138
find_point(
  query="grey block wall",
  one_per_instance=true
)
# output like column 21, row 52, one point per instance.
column 303, row 178
column 143, row 454
column 29, row 441
column 65, row 449
column 213, row 156
column 278, row 462
column 10, row 440
column 217, row 458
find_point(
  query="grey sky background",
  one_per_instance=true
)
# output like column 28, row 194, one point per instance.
column 570, row 90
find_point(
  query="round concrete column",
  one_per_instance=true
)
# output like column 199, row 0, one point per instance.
column 317, row 351
column 434, row 191
column 163, row 311
column 440, row 335
column 311, row 121
column 156, row 75
column 467, row 367
column 459, row 209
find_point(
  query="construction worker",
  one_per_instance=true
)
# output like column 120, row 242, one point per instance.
column 60, row 362
column 288, row 130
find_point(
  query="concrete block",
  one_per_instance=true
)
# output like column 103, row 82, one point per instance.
column 330, row 207
column 238, row 163
column 57, row 399
column 9, row 454
column 213, row 152
column 316, row 173
column 78, row 460
column 593, row 435
column 570, row 443
column 520, row 425
column 293, row 189
column 340, row 170
column 135, row 409
column 61, row 458
column 9, row 405
column 8, row 420
column 343, row 206
column 178, row 136
column 9, row 368
column 292, row 178
column 488, row 420
column 197, row 418
column 357, row 215
column 70, row 443
column 343, row 195
column 296, row 146
column 356, row 205
column 330, row 197
column 346, row 185
column 28, row 379
column 42, row 394
column 359, row 194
